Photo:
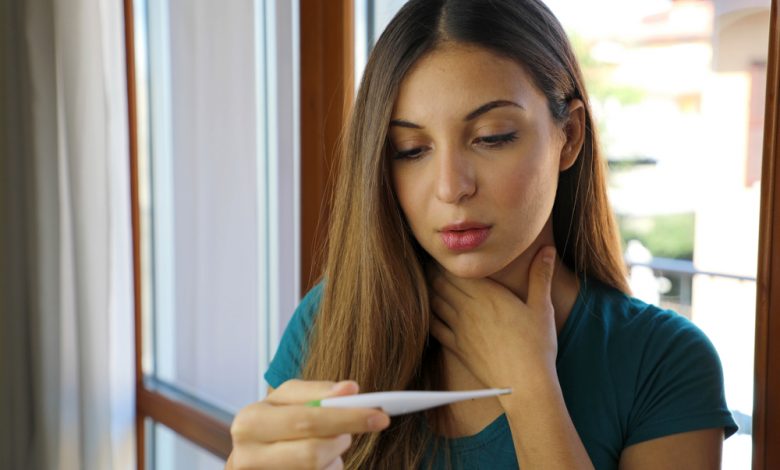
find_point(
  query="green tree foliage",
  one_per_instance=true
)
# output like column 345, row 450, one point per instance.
column 666, row 236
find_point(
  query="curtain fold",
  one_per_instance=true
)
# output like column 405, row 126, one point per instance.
column 18, row 415
column 67, row 375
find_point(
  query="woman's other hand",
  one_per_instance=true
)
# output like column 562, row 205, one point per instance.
column 501, row 339
column 283, row 432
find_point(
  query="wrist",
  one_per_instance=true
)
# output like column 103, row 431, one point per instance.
column 541, row 387
column 542, row 429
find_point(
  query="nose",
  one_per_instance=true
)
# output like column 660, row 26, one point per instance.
column 456, row 180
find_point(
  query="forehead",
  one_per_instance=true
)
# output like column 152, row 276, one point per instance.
column 458, row 78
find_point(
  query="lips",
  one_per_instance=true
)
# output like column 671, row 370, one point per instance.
column 464, row 236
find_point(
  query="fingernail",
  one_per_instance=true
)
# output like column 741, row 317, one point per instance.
column 378, row 422
column 338, row 385
column 549, row 255
column 345, row 386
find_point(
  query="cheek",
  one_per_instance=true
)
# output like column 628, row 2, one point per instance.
column 526, row 187
column 528, row 178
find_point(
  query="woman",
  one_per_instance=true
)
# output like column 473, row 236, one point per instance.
column 471, row 246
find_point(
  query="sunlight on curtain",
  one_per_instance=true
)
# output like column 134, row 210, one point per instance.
column 79, row 236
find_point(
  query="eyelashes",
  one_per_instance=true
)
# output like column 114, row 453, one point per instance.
column 411, row 154
column 489, row 142
column 497, row 140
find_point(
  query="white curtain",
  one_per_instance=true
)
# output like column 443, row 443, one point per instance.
column 67, row 374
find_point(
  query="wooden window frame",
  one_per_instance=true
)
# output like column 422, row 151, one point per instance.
column 178, row 414
column 326, row 38
column 327, row 90
column 327, row 48
column 766, row 403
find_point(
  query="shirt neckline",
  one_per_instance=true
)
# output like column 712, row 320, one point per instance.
column 573, row 320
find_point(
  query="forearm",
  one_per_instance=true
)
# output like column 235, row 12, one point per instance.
column 542, row 431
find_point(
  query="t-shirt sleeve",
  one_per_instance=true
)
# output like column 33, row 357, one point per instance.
column 291, row 353
column 679, row 385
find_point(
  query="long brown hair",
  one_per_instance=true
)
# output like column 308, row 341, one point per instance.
column 373, row 319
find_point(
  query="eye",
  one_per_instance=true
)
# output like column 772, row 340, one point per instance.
column 411, row 154
column 495, row 141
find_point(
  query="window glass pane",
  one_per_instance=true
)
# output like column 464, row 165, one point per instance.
column 216, row 93
column 202, row 217
column 678, row 91
column 170, row 451
column 684, row 150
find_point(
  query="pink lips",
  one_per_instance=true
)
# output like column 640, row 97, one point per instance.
column 464, row 236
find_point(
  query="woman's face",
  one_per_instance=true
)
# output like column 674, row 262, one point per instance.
column 475, row 159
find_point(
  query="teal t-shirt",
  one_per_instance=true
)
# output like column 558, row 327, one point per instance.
column 629, row 372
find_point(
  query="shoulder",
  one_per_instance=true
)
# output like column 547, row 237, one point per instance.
column 667, row 372
column 652, row 342
column 288, row 361
column 631, row 339
column 302, row 321
column 310, row 304
column 624, row 319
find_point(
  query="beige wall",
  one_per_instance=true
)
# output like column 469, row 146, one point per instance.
column 739, row 39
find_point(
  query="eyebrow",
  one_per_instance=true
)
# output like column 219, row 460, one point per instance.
column 488, row 106
column 469, row 117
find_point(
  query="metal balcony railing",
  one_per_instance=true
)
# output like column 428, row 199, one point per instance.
column 680, row 274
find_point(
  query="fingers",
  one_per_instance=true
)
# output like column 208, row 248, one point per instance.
column 447, row 284
column 443, row 309
column 294, row 392
column 305, row 453
column 337, row 464
column 311, row 453
column 265, row 423
column 285, row 415
column 442, row 333
column 283, row 431
column 540, row 280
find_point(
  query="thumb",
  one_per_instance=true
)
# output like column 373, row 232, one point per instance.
column 303, row 391
column 540, row 279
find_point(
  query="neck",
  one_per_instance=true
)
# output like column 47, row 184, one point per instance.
column 565, row 285
column 564, row 291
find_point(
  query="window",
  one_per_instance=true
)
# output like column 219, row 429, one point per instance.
column 217, row 213
column 688, row 202
column 282, row 160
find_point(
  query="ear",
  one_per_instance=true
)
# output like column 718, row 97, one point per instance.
column 574, row 134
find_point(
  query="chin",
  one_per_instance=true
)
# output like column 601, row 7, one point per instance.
column 469, row 269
